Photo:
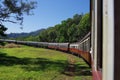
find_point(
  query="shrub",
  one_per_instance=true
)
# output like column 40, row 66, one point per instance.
column 12, row 45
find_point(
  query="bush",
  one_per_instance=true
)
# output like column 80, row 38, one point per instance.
column 12, row 45
column 1, row 46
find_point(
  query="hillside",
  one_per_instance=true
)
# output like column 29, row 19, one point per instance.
column 22, row 35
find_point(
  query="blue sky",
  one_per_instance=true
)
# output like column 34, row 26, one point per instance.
column 49, row 13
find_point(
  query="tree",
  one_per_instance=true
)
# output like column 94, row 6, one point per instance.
column 77, row 18
column 85, row 25
column 13, row 11
column 2, row 30
column 72, row 33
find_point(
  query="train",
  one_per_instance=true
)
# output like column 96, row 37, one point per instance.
column 79, row 48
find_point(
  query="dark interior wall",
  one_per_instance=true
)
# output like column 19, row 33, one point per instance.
column 117, row 40
column 99, row 33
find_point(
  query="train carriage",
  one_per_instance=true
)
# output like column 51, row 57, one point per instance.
column 53, row 45
column 63, row 46
column 43, row 44
column 74, row 48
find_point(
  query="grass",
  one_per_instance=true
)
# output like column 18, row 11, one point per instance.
column 29, row 63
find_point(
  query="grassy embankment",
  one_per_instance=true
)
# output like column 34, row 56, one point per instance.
column 28, row 63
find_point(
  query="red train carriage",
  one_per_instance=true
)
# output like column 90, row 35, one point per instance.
column 74, row 48
column 53, row 45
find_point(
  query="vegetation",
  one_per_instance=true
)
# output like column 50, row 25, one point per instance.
column 28, row 63
column 11, row 45
column 70, row 30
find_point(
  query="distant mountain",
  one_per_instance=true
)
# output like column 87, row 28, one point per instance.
column 17, row 35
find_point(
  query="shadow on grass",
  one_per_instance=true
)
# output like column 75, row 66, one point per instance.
column 82, row 70
column 40, row 64
column 31, row 64
column 6, row 60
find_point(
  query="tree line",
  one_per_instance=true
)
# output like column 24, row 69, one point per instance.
column 69, row 30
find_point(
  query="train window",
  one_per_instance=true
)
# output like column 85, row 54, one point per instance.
column 99, row 34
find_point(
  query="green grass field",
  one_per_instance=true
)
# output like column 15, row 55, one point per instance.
column 28, row 63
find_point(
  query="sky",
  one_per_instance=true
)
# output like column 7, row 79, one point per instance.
column 49, row 13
